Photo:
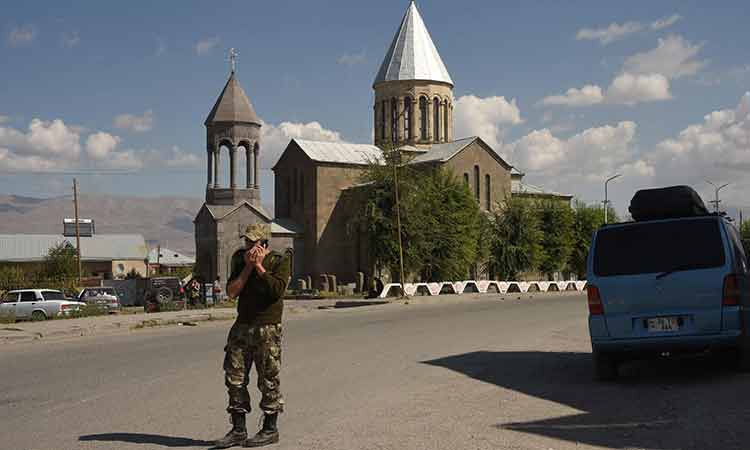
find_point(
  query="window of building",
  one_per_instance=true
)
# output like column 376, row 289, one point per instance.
column 301, row 187
column 446, row 123
column 423, row 118
column 466, row 178
column 394, row 121
column 488, row 191
column 476, row 182
column 407, row 118
column 436, row 118
column 294, row 184
column 383, row 108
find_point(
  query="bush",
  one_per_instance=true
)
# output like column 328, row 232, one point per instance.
column 86, row 311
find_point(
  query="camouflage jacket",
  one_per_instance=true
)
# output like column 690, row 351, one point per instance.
column 261, row 300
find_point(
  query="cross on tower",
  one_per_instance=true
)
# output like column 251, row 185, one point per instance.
column 233, row 58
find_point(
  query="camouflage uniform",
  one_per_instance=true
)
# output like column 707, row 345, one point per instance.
column 260, row 345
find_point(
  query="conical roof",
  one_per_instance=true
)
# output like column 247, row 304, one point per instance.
column 232, row 105
column 412, row 55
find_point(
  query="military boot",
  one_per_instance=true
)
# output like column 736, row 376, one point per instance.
column 267, row 435
column 237, row 435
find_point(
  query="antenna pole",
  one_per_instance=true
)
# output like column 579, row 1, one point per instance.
column 78, row 229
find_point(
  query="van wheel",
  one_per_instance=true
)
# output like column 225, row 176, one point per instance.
column 37, row 316
column 605, row 366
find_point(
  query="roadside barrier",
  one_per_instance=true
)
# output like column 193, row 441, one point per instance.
column 482, row 287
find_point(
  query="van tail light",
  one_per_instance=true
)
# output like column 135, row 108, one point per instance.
column 732, row 293
column 596, row 308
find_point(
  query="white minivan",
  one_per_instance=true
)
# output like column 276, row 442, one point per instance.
column 36, row 304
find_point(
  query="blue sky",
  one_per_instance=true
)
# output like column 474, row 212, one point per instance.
column 93, row 84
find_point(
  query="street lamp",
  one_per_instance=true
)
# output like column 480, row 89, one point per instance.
column 716, row 192
column 606, row 195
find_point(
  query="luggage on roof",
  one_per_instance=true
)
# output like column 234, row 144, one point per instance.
column 666, row 203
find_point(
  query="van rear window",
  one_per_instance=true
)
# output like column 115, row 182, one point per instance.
column 658, row 247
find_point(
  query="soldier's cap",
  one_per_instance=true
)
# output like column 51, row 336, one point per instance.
column 257, row 232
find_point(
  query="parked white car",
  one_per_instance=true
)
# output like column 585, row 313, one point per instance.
column 37, row 304
column 104, row 297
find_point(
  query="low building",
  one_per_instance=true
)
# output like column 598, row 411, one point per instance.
column 162, row 260
column 103, row 256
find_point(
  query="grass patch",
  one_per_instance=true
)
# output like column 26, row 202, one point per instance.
column 7, row 318
column 86, row 311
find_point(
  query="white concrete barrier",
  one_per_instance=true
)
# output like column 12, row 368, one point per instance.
column 482, row 287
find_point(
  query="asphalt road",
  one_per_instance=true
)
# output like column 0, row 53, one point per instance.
column 454, row 374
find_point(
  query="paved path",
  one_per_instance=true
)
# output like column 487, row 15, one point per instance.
column 435, row 374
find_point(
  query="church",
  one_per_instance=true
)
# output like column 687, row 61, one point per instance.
column 316, row 182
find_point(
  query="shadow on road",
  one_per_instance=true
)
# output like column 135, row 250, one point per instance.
column 155, row 439
column 686, row 403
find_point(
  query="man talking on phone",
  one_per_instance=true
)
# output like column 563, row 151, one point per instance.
column 259, row 279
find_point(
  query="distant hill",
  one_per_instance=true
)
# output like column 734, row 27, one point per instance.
column 164, row 220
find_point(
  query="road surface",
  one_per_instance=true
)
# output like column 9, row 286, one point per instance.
column 440, row 374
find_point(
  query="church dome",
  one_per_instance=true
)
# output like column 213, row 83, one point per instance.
column 412, row 54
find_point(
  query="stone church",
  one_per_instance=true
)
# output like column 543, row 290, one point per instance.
column 315, row 182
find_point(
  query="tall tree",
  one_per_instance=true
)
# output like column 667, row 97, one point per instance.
column 60, row 263
column 586, row 220
column 556, row 223
column 517, row 245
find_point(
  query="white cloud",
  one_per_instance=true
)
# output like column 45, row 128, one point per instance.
column 45, row 145
column 615, row 32
column 673, row 57
column 123, row 160
column 612, row 33
column 352, row 59
column 70, row 39
column 138, row 124
column 629, row 89
column 21, row 35
column 100, row 145
column 573, row 97
column 206, row 45
column 487, row 118
column 275, row 138
column 179, row 158
column 665, row 22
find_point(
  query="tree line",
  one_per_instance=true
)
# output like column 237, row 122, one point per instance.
column 446, row 235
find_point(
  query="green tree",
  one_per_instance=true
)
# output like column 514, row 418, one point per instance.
column 517, row 245
column 60, row 263
column 439, row 220
column 556, row 223
column 745, row 235
column 586, row 220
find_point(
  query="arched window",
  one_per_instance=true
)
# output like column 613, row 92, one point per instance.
column 488, row 191
column 436, row 119
column 466, row 178
column 394, row 120
column 446, row 123
column 294, row 184
column 476, row 182
column 301, row 187
column 407, row 118
column 383, row 108
column 423, row 118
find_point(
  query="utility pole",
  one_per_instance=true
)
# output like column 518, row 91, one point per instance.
column 78, row 229
column 716, row 192
column 606, row 196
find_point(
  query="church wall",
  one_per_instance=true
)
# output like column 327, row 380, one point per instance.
column 476, row 155
column 336, row 249
column 298, row 205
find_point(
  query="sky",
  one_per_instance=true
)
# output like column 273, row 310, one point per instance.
column 115, row 93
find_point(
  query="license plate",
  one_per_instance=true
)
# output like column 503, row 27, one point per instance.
column 662, row 324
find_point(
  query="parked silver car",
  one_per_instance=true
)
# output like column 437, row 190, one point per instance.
column 104, row 297
column 37, row 304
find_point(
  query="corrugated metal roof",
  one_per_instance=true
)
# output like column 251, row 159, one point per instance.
column 102, row 247
column 530, row 189
column 169, row 257
column 340, row 152
column 443, row 152
column 413, row 55
column 232, row 105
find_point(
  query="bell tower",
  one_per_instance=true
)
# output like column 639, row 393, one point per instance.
column 233, row 130
column 413, row 89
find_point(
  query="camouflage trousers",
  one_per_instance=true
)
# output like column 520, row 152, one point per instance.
column 246, row 345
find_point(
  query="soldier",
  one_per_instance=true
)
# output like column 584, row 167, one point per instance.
column 259, row 278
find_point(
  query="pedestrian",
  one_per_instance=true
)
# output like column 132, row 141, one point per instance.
column 218, row 293
column 259, row 279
